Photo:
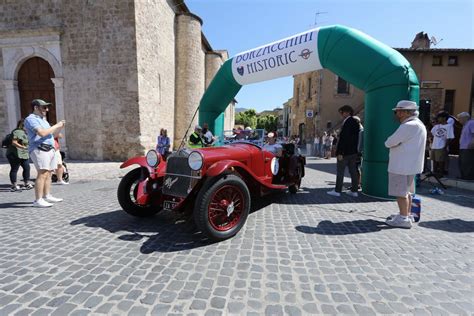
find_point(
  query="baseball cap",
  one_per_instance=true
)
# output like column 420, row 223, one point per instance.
column 197, row 127
column 39, row 102
column 405, row 105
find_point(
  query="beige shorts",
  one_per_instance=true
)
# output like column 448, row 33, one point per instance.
column 400, row 185
column 44, row 160
column 59, row 159
column 439, row 154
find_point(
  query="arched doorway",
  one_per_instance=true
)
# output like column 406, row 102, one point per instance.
column 34, row 82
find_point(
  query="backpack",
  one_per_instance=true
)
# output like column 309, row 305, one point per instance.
column 7, row 140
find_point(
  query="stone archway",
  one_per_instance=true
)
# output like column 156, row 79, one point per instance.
column 34, row 82
column 15, row 52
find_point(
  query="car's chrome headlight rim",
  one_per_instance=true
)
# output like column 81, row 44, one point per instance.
column 152, row 158
column 195, row 160
column 275, row 166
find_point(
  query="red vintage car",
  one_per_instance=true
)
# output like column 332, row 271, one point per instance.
column 214, row 184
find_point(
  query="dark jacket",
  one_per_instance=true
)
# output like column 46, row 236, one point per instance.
column 348, row 138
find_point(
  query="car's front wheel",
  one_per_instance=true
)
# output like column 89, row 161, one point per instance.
column 127, row 195
column 222, row 207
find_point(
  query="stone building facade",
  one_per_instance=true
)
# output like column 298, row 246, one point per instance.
column 446, row 79
column 120, row 70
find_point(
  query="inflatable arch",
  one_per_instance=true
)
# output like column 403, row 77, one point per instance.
column 382, row 72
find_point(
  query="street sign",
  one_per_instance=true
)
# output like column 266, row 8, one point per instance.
column 309, row 113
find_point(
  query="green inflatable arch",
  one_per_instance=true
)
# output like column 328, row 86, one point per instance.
column 382, row 72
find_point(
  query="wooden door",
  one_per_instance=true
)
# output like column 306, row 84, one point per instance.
column 34, row 82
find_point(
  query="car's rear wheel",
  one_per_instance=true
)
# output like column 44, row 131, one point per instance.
column 299, row 175
column 223, row 207
column 127, row 195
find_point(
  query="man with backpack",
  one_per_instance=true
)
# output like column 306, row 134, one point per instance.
column 41, row 149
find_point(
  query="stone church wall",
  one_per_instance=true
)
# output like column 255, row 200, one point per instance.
column 155, row 22
column 100, row 86
column 98, row 58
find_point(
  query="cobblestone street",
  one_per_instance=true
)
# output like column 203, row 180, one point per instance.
column 308, row 253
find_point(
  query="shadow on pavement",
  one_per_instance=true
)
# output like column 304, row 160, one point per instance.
column 165, row 232
column 451, row 195
column 15, row 204
column 319, row 196
column 450, row 225
column 344, row 228
column 324, row 166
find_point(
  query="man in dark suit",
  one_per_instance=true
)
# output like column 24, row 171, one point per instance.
column 346, row 151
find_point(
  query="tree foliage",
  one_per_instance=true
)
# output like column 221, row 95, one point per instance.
column 268, row 122
column 247, row 118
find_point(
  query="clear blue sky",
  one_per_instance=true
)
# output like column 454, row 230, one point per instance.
column 239, row 25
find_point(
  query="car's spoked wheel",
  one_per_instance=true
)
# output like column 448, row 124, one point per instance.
column 127, row 195
column 223, row 207
column 226, row 207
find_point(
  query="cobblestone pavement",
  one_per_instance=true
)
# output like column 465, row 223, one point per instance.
column 308, row 253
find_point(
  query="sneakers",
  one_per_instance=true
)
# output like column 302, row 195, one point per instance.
column 410, row 217
column 399, row 221
column 62, row 182
column 334, row 193
column 41, row 203
column 51, row 199
column 353, row 194
column 15, row 188
column 28, row 186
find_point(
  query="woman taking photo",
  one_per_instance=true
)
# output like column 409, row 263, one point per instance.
column 17, row 155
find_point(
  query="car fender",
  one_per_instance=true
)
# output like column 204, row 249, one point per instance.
column 139, row 160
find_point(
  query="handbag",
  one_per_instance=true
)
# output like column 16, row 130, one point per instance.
column 45, row 147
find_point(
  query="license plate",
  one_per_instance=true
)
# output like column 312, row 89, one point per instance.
column 169, row 205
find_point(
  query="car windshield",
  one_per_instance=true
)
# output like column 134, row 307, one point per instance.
column 253, row 136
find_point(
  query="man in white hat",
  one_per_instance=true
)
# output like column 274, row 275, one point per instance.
column 406, row 157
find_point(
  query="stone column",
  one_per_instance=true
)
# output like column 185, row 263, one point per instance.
column 59, row 104
column 12, row 101
column 213, row 63
column 190, row 73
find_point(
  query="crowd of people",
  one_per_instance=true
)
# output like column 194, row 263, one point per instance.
column 36, row 140
column 409, row 147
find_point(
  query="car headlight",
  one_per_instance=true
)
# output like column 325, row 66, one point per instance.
column 195, row 161
column 152, row 158
column 275, row 166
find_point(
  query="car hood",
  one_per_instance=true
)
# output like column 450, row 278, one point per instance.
column 240, row 151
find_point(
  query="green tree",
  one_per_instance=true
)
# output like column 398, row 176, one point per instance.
column 268, row 122
column 247, row 118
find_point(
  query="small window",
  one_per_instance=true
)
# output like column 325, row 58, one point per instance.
column 309, row 88
column 342, row 86
column 452, row 60
column 437, row 61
